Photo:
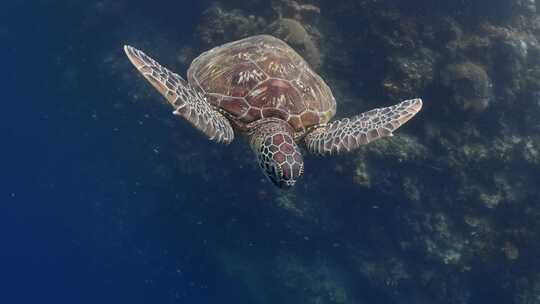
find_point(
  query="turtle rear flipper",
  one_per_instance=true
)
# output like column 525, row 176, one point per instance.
column 349, row 133
column 188, row 102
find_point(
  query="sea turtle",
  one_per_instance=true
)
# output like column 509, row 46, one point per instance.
column 260, row 87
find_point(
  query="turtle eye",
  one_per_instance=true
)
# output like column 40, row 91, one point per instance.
column 281, row 160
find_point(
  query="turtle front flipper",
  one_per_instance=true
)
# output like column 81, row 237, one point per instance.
column 188, row 102
column 349, row 133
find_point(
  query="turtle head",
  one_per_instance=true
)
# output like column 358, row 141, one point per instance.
column 279, row 156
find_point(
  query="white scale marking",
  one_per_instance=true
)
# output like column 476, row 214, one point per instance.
column 247, row 76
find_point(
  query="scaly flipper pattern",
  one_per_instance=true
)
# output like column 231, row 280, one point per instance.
column 349, row 133
column 187, row 101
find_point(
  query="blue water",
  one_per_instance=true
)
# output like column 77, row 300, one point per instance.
column 82, row 220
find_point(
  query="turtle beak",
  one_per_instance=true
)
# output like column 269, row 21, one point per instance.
column 282, row 176
column 287, row 184
column 288, row 174
column 280, row 181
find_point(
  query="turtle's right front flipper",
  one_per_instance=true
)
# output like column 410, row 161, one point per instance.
column 187, row 101
column 348, row 134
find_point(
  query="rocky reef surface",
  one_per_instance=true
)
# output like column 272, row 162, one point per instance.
column 445, row 212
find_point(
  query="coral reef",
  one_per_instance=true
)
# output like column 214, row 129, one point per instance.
column 294, row 33
column 447, row 210
column 469, row 85
column 220, row 25
column 290, row 278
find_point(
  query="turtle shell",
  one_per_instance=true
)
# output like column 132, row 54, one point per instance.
column 260, row 77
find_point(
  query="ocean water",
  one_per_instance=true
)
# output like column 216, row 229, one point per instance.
column 108, row 198
column 83, row 221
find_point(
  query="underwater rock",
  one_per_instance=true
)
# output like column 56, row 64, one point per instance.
column 410, row 75
column 289, row 278
column 524, row 6
column 295, row 26
column 388, row 273
column 531, row 151
column 296, row 207
column 362, row 174
column 511, row 54
column 296, row 35
column 469, row 84
column 528, row 290
column 400, row 148
column 220, row 26
column 295, row 10
column 312, row 283
column 456, row 200
column 372, row 165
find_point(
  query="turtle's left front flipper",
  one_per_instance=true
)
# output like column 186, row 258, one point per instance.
column 187, row 101
column 349, row 133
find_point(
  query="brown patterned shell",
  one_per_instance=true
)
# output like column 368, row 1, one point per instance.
column 260, row 77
